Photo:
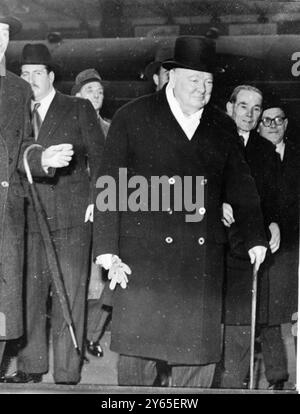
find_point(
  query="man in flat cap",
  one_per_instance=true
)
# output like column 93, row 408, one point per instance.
column 88, row 85
column 67, row 199
column 170, row 311
column 15, row 135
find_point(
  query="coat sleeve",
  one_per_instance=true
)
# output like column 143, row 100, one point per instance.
column 242, row 194
column 106, row 223
column 94, row 141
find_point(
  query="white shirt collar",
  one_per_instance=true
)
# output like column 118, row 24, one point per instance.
column 280, row 149
column 188, row 123
column 45, row 103
column 245, row 135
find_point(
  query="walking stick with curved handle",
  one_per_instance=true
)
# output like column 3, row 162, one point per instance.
column 253, row 323
column 50, row 251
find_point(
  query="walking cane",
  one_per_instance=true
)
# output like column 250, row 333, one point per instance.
column 253, row 323
column 50, row 250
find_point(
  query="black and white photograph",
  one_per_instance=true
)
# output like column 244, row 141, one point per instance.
column 149, row 199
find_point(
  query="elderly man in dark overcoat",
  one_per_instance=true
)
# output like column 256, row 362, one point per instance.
column 67, row 202
column 15, row 135
column 245, row 106
column 171, row 308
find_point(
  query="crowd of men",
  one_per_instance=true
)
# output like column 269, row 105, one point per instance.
column 178, row 290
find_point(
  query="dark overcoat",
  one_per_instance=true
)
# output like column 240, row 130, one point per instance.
column 66, row 195
column 14, row 136
column 283, row 270
column 171, row 308
column 261, row 158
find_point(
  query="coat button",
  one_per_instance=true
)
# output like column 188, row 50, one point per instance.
column 202, row 210
column 4, row 184
column 204, row 181
column 171, row 180
column 201, row 240
column 169, row 240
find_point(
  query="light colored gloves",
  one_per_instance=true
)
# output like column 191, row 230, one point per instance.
column 57, row 156
column 89, row 214
column 257, row 255
column 118, row 270
column 227, row 215
column 117, row 273
column 274, row 242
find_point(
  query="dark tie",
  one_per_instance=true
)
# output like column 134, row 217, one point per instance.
column 278, row 163
column 242, row 140
column 36, row 120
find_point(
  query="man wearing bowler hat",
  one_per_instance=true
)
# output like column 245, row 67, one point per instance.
column 67, row 201
column 170, row 310
column 15, row 135
column 155, row 71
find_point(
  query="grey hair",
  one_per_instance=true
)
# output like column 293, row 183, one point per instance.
column 239, row 88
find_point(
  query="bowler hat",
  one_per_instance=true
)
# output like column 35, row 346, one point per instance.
column 14, row 24
column 272, row 100
column 162, row 54
column 86, row 76
column 193, row 52
column 37, row 54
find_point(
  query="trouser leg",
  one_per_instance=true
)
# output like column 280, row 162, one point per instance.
column 33, row 358
column 72, row 247
column 236, row 356
column 135, row 371
column 200, row 376
column 274, row 354
column 97, row 318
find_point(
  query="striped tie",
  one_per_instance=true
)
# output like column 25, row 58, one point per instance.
column 36, row 120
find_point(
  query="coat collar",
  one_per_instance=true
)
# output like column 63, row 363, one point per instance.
column 169, row 129
column 55, row 115
column 9, row 102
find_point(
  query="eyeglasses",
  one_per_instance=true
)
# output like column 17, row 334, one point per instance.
column 278, row 120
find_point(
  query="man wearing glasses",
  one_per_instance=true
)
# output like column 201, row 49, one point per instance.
column 245, row 107
column 283, row 269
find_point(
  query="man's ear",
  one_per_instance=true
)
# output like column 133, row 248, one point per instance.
column 229, row 108
column 155, row 79
column 52, row 76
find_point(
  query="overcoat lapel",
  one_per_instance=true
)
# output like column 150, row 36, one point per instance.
column 8, row 94
column 175, row 135
column 55, row 115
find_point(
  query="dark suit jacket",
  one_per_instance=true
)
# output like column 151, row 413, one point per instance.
column 261, row 158
column 283, row 269
column 171, row 309
column 66, row 195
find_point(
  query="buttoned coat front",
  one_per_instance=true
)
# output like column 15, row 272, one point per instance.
column 171, row 308
column 14, row 136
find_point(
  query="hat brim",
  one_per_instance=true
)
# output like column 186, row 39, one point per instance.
column 77, row 87
column 14, row 24
column 172, row 64
column 151, row 69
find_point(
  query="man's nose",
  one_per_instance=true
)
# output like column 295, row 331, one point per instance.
column 201, row 87
column 249, row 113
